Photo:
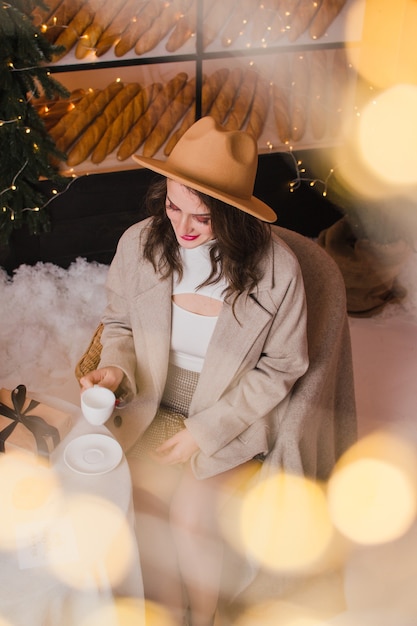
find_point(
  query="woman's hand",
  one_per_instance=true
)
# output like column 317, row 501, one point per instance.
column 110, row 377
column 176, row 449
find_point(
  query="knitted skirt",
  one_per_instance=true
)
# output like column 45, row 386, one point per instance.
column 169, row 419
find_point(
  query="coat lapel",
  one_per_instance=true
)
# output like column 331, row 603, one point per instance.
column 153, row 317
column 229, row 348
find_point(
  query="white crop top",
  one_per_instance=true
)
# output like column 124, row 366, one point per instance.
column 191, row 333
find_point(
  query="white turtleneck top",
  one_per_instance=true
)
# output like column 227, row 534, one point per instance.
column 191, row 333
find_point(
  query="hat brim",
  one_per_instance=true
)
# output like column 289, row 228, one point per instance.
column 251, row 205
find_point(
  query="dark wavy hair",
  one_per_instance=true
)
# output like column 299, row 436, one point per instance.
column 241, row 241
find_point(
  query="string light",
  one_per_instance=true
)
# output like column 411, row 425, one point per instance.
column 14, row 121
column 55, row 194
column 296, row 182
column 12, row 186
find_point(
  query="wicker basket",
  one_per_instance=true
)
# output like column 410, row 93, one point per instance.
column 91, row 357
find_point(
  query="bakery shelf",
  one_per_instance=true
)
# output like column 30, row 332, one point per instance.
column 200, row 59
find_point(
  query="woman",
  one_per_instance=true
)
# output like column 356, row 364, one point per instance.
column 204, row 337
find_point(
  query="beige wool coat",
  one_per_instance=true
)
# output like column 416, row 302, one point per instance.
column 255, row 356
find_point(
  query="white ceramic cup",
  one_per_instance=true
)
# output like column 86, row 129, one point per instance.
column 97, row 404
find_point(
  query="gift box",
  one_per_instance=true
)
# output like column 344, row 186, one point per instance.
column 28, row 425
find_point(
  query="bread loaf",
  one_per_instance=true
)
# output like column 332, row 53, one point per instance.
column 259, row 109
column 170, row 118
column 302, row 18
column 67, row 120
column 161, row 26
column 135, row 30
column 318, row 101
column 209, row 91
column 327, row 13
column 60, row 18
column 40, row 14
column 184, row 28
column 262, row 16
column 278, row 22
column 111, row 35
column 281, row 19
column 52, row 112
column 237, row 23
column 104, row 17
column 339, row 81
column 124, row 122
column 90, row 138
column 147, row 122
column 243, row 101
column 81, row 20
column 84, row 120
column 299, row 95
column 281, row 98
column 224, row 100
column 216, row 15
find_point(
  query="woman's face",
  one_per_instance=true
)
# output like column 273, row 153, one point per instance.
column 189, row 217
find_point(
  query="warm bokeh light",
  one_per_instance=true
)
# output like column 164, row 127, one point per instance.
column 387, row 47
column 129, row 612
column 372, row 491
column 30, row 495
column 285, row 524
column 91, row 544
column 279, row 612
column 388, row 135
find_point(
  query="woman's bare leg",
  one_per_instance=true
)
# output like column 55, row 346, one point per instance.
column 200, row 546
column 180, row 546
column 152, row 488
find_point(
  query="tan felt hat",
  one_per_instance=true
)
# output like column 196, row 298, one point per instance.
column 218, row 162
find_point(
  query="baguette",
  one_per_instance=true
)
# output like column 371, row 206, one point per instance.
column 161, row 26
column 318, row 92
column 84, row 120
column 52, row 111
column 259, row 109
column 281, row 100
column 215, row 17
column 237, row 23
column 277, row 27
column 280, row 22
column 115, row 29
column 81, row 20
column 339, row 80
column 102, row 19
column 147, row 122
column 302, row 18
column 209, row 91
column 135, row 30
column 299, row 96
column 69, row 119
column 124, row 122
column 262, row 17
column 185, row 28
column 60, row 18
column 225, row 98
column 324, row 17
column 243, row 101
column 87, row 142
column 40, row 14
column 169, row 119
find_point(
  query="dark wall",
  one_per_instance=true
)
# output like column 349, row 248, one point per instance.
column 89, row 218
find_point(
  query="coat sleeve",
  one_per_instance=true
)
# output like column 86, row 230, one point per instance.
column 117, row 339
column 260, row 387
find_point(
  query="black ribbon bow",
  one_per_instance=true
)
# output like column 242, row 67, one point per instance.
column 39, row 428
